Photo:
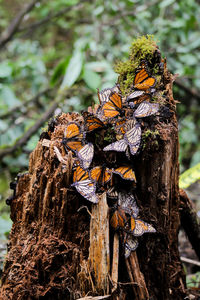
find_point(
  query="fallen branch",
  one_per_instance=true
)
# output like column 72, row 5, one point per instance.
column 189, row 221
column 190, row 261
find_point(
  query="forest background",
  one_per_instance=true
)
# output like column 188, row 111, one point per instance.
column 54, row 55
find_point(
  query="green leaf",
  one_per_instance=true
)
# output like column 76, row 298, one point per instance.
column 8, row 97
column 59, row 70
column 5, row 70
column 73, row 70
column 189, row 176
column 92, row 79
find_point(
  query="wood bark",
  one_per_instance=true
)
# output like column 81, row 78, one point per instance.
column 60, row 244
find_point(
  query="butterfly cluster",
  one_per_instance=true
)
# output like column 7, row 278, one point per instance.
column 97, row 167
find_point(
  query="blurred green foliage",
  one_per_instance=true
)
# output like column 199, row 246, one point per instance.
column 62, row 44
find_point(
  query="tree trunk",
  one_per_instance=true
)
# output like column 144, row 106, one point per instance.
column 61, row 246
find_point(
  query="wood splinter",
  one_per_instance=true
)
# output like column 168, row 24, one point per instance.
column 136, row 277
column 99, row 253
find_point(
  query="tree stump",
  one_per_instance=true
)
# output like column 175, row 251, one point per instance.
column 61, row 246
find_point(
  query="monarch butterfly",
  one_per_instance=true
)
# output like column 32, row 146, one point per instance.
column 105, row 94
column 73, row 137
column 133, row 102
column 111, row 108
column 142, row 227
column 146, row 109
column 142, row 80
column 84, row 185
column 101, row 174
column 118, row 219
column 85, row 155
column 133, row 138
column 126, row 173
column 130, row 244
column 92, row 122
column 128, row 203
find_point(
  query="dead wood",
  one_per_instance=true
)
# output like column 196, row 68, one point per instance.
column 61, row 244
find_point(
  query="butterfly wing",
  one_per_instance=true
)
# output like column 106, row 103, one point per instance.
column 85, row 155
column 105, row 94
column 80, row 174
column 119, row 146
column 73, row 131
column 142, row 227
column 142, row 80
column 106, row 176
column 101, row 175
column 133, row 138
column 111, row 108
column 126, row 173
column 87, row 189
column 118, row 219
column 131, row 244
column 146, row 109
column 128, row 203
column 92, row 122
column 134, row 95
column 73, row 145
column 95, row 173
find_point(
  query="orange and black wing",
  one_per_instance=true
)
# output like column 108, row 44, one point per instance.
column 112, row 108
column 101, row 175
column 125, row 172
column 142, row 80
column 80, row 174
column 92, row 122
column 73, row 144
column 118, row 219
column 73, row 131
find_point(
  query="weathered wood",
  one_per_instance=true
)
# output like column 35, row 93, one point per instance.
column 99, row 253
column 115, row 262
column 137, row 278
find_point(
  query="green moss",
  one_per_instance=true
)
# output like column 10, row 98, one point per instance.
column 142, row 48
column 150, row 134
